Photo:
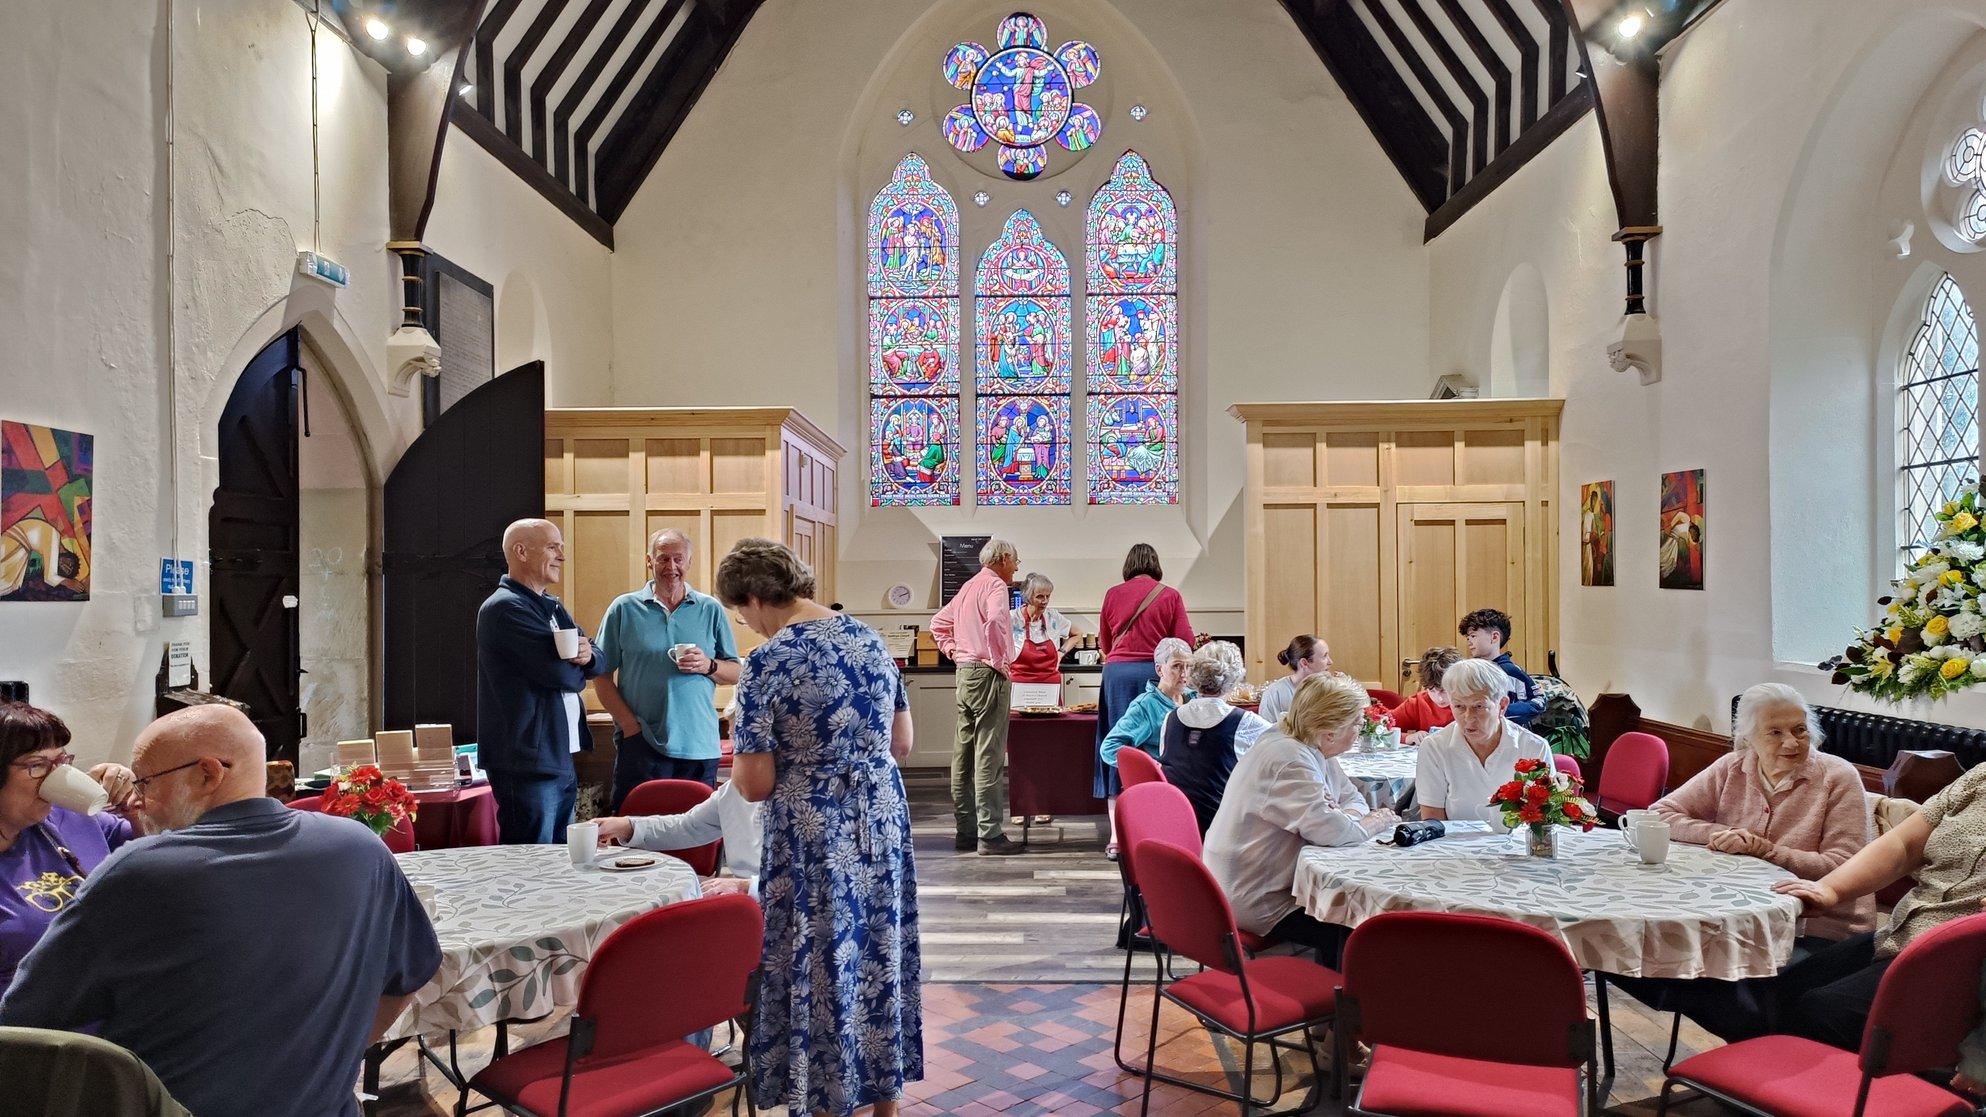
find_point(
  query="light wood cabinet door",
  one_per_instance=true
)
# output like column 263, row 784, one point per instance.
column 1455, row 558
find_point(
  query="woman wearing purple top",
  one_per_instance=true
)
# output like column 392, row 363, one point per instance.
column 45, row 851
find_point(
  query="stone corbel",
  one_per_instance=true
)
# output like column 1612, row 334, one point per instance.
column 411, row 352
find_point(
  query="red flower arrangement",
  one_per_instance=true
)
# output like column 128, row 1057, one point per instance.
column 363, row 792
column 1541, row 796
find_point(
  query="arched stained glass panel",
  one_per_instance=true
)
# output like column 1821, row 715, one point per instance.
column 1132, row 319
column 913, row 271
column 1021, row 335
column 1938, row 443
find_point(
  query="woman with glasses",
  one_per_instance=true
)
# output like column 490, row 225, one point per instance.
column 1460, row 766
column 45, row 850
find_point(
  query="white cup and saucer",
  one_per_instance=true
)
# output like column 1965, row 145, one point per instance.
column 1647, row 835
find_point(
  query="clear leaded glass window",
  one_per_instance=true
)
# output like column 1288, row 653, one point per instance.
column 1965, row 184
column 1938, row 443
column 913, row 341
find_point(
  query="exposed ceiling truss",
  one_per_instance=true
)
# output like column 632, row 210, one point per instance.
column 1458, row 92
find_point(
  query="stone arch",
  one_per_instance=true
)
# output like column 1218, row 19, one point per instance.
column 1520, row 336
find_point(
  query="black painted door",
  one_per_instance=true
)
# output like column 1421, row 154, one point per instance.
column 480, row 466
column 252, row 543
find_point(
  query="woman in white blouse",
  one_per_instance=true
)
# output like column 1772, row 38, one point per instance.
column 1462, row 764
column 1288, row 792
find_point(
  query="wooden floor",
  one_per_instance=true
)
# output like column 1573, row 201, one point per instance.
column 1021, row 996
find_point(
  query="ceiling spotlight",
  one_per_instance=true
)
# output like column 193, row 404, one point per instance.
column 376, row 27
column 416, row 47
column 1632, row 24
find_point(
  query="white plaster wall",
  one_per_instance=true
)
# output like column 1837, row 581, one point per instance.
column 738, row 275
column 1775, row 293
column 552, row 280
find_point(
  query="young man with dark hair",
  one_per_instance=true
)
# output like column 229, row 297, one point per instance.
column 1486, row 631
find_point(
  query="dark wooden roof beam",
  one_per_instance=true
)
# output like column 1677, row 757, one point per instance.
column 1491, row 62
column 1458, row 71
column 1458, row 125
column 624, row 26
column 555, row 67
column 582, row 137
column 1526, row 43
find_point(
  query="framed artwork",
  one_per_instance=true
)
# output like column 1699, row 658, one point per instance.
column 45, row 479
column 1596, row 534
column 1679, row 558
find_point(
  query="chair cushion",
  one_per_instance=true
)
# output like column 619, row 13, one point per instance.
column 1287, row 990
column 1403, row 1083
column 1796, row 1077
column 633, row 1083
column 1252, row 943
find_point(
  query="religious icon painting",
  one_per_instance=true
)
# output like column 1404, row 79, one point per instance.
column 1023, row 450
column 1133, row 342
column 914, row 443
column 1679, row 556
column 1134, row 449
column 1022, row 96
column 913, row 346
column 1596, row 534
column 46, row 481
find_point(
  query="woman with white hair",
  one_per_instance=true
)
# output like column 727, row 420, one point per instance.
column 1042, row 635
column 1774, row 796
column 1144, row 719
column 1289, row 792
column 1461, row 765
column 1204, row 737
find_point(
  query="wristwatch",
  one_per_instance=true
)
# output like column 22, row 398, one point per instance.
column 712, row 673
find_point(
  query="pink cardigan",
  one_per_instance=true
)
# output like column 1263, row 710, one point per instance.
column 1817, row 819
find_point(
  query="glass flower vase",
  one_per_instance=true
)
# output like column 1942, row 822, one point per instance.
column 1541, row 840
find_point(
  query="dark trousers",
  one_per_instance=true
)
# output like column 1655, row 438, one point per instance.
column 533, row 809
column 1327, row 939
column 636, row 762
column 1729, row 1010
column 1827, row 997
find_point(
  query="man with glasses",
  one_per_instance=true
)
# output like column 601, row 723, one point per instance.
column 248, row 953
column 1460, row 766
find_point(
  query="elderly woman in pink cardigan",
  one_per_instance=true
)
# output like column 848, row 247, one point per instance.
column 1779, row 798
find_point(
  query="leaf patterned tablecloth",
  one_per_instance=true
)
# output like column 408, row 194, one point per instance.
column 1384, row 776
column 517, row 926
column 1701, row 914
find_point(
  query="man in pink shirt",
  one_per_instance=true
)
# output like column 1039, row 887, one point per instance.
column 976, row 629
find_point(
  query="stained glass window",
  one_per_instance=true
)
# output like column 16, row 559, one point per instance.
column 1938, row 444
column 913, row 341
column 1964, row 186
column 1021, row 340
column 1022, row 96
column 1132, row 321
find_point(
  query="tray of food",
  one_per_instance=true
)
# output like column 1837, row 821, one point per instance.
column 1038, row 711
column 1080, row 708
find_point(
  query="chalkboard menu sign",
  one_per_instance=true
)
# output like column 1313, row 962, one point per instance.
column 958, row 561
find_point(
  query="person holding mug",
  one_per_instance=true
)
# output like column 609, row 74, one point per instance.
column 53, row 831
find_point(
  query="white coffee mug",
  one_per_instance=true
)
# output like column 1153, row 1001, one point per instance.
column 425, row 894
column 678, row 651
column 1648, row 835
column 567, row 642
column 582, row 842
column 72, row 789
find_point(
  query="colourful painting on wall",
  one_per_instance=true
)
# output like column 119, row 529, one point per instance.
column 1680, row 559
column 45, row 477
column 1596, row 534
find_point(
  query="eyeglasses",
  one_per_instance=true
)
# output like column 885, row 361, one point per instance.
column 38, row 767
column 138, row 785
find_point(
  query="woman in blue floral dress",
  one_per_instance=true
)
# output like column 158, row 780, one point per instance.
column 822, row 721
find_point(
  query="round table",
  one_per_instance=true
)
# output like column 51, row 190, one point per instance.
column 1384, row 776
column 1700, row 914
column 517, row 926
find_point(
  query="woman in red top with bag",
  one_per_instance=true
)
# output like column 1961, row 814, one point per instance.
column 1137, row 613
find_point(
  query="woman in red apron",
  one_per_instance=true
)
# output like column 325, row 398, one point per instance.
column 1041, row 636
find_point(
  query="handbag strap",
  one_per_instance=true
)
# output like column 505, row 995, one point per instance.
column 1157, row 588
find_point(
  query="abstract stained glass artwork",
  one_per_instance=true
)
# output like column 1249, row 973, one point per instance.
column 1021, row 340
column 46, row 481
column 913, row 341
column 1022, row 96
column 1132, row 320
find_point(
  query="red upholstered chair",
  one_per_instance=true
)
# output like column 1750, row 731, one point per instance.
column 1431, row 1051
column 1136, row 766
column 1928, row 1001
column 625, row 1053
column 1147, row 809
column 1384, row 699
column 1253, row 1000
column 1635, row 773
column 307, row 803
column 675, row 797
column 1568, row 765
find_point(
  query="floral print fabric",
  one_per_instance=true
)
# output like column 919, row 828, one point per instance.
column 838, row 1024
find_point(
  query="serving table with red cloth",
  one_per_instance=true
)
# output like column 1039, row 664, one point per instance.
column 1051, row 761
column 455, row 817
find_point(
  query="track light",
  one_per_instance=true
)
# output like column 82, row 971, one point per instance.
column 416, row 47
column 376, row 27
column 1632, row 24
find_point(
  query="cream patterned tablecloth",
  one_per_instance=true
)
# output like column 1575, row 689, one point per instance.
column 1702, row 914
column 517, row 926
column 1384, row 776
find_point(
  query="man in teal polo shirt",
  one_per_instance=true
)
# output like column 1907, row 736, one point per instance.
column 664, row 704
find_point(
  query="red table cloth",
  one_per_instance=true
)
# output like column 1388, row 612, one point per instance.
column 455, row 817
column 1051, row 763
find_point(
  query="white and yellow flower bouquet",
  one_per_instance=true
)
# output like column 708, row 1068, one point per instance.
column 1932, row 638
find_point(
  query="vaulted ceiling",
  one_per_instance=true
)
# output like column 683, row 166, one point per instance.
column 580, row 97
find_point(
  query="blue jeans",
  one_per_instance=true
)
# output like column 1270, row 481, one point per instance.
column 533, row 809
column 636, row 762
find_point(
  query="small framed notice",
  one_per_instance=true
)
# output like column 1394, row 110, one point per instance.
column 1036, row 695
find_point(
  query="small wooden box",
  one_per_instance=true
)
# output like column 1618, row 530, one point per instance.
column 927, row 649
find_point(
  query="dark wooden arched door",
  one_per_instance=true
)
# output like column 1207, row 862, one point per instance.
column 252, row 548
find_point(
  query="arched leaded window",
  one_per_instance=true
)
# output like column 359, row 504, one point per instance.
column 1132, row 412
column 1021, row 329
column 913, row 341
column 1938, row 405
